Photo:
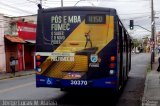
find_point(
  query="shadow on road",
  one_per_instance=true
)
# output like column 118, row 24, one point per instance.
column 87, row 98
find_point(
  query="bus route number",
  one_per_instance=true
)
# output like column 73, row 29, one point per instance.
column 95, row 19
column 79, row 82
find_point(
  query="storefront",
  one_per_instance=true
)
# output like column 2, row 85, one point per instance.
column 21, row 46
column 27, row 31
column 29, row 50
column 14, row 48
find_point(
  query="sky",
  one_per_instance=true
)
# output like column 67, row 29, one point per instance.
column 137, row 10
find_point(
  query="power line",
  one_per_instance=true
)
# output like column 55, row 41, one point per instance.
column 135, row 17
column 140, row 13
column 15, row 8
column 127, row 1
column 60, row 1
column 83, row 1
column 35, row 2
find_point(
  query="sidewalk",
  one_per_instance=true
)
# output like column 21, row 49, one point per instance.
column 17, row 74
column 151, row 95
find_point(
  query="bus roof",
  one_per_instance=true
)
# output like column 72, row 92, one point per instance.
column 111, row 11
column 80, row 8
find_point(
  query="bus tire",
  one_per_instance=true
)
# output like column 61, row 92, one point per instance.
column 62, row 89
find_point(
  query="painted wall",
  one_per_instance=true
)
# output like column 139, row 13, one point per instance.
column 27, row 31
column 2, row 50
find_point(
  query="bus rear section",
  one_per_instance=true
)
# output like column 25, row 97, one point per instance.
column 76, row 47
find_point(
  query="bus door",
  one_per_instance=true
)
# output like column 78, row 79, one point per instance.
column 120, row 54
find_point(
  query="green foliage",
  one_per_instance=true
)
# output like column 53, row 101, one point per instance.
column 145, row 40
column 136, row 42
column 149, row 67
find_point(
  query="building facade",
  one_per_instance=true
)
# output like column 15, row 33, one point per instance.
column 2, row 46
column 17, row 39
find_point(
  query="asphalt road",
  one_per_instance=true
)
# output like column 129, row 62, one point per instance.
column 133, row 92
column 23, row 88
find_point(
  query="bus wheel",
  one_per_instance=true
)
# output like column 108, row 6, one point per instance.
column 115, row 94
column 62, row 89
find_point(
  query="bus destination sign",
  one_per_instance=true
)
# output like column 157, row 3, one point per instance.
column 95, row 19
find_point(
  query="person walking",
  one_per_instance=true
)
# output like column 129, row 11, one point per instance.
column 158, row 69
column 158, row 49
column 12, row 65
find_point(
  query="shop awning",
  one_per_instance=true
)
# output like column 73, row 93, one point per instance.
column 30, row 41
column 14, row 39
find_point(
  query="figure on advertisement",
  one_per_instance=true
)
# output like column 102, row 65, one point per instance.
column 88, row 40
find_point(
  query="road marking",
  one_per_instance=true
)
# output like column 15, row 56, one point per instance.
column 16, row 87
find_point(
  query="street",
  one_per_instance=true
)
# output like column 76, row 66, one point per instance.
column 133, row 92
column 23, row 88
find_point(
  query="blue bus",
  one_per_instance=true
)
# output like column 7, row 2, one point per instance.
column 81, row 47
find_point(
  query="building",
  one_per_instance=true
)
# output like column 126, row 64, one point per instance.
column 18, row 40
column 2, row 46
column 158, row 38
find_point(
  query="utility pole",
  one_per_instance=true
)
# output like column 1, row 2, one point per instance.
column 40, row 2
column 61, row 3
column 152, row 33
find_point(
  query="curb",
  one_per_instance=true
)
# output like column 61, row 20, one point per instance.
column 19, row 75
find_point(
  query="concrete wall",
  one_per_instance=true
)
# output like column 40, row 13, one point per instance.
column 2, row 46
column 8, row 20
column 30, row 18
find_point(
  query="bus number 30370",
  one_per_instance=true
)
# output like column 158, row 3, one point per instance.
column 79, row 82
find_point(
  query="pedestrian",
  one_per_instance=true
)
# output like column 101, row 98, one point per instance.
column 12, row 65
column 158, row 49
column 158, row 69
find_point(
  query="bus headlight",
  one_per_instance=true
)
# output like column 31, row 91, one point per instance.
column 39, row 69
column 111, row 72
